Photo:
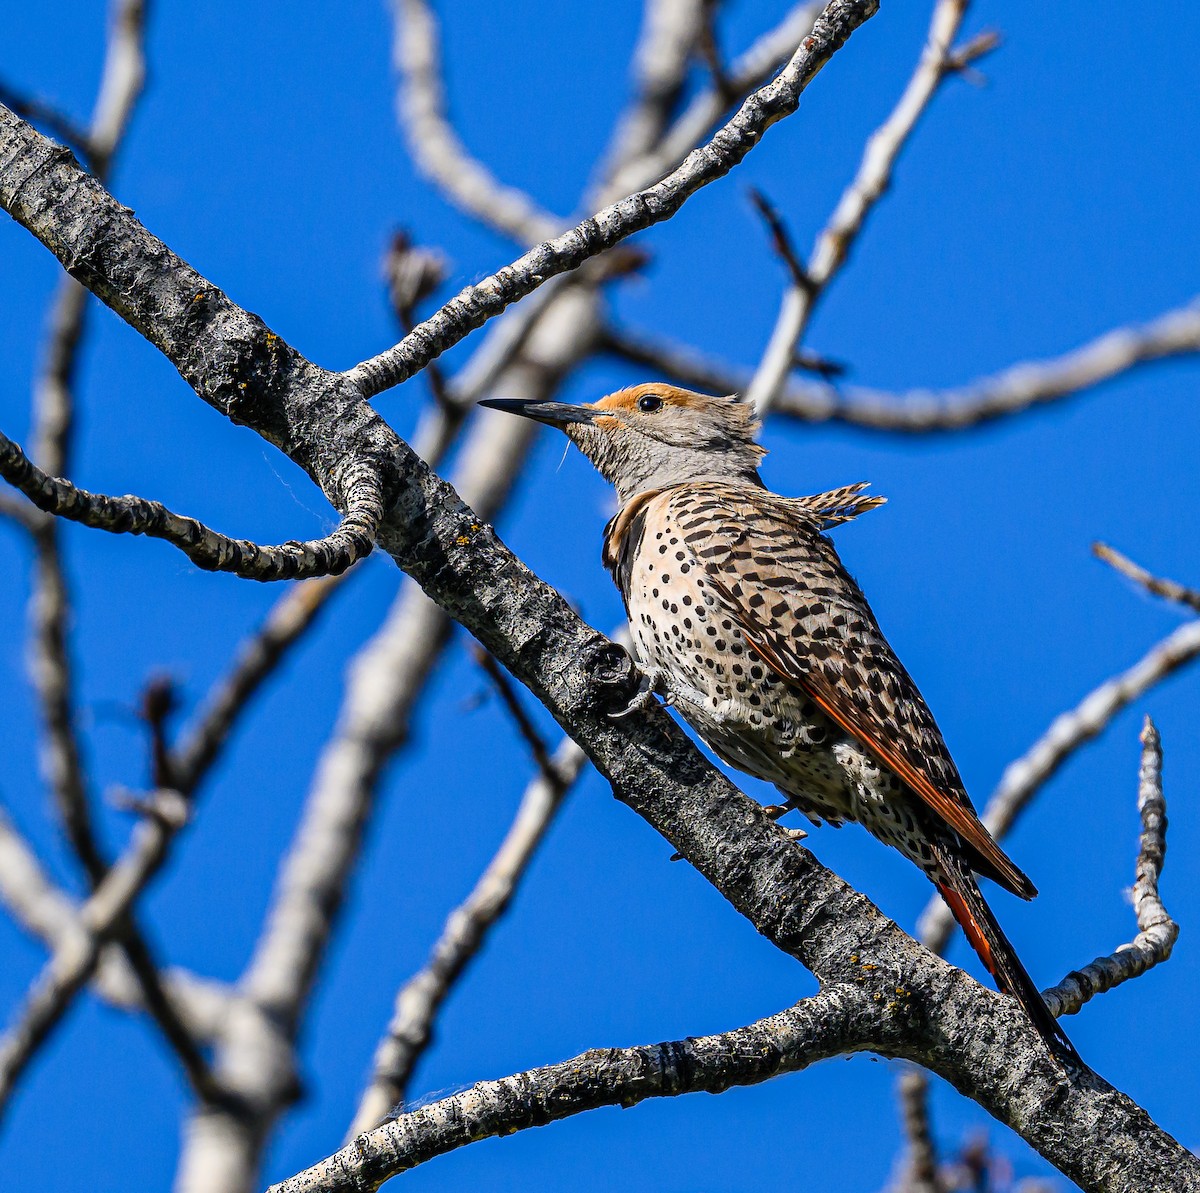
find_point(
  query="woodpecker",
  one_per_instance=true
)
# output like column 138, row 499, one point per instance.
column 744, row 618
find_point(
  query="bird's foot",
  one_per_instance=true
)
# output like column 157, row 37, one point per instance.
column 654, row 683
column 775, row 811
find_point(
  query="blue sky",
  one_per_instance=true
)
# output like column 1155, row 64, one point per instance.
column 1027, row 216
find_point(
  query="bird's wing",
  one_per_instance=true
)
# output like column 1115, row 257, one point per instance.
column 802, row 613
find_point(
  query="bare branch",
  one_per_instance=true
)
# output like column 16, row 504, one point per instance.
column 465, row 931
column 1023, row 778
column 413, row 274
column 1157, row 932
column 331, row 555
column 874, row 175
column 484, row 300
column 435, row 145
column 1020, row 388
column 102, row 917
column 51, row 916
column 1171, row 590
column 828, row 1024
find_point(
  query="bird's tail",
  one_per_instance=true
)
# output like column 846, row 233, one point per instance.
column 957, row 886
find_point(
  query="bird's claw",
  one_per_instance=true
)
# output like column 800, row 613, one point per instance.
column 653, row 684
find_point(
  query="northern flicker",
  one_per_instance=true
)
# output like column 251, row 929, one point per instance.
column 744, row 617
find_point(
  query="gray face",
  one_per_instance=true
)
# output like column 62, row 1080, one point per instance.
column 655, row 436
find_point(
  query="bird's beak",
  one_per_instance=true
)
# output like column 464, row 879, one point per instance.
column 554, row 414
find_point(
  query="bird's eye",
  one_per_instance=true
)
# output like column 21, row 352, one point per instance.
column 649, row 403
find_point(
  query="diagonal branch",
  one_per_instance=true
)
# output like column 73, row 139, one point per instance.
column 331, row 555
column 614, row 223
column 1157, row 932
column 937, row 62
column 1170, row 590
column 830, row 1023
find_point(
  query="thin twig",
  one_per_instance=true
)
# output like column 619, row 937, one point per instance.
column 938, row 61
column 1157, row 932
column 466, row 929
column 101, row 919
column 1170, row 590
column 615, row 222
column 331, row 555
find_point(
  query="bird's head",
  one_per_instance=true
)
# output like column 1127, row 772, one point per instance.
column 654, row 436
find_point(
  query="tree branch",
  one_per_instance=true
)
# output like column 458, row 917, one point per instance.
column 1170, row 590
column 828, row 1024
column 484, row 300
column 350, row 542
column 926, row 411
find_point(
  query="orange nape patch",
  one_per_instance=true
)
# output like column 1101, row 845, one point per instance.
column 625, row 401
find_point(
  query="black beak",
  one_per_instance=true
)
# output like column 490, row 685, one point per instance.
column 554, row 414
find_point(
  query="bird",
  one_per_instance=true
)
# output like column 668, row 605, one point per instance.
column 744, row 618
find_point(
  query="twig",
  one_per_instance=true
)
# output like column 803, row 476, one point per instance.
column 351, row 541
column 434, row 143
column 516, row 710
column 829, row 1023
column 938, row 60
column 1171, row 590
column 463, row 935
column 614, row 223
column 1023, row 778
column 413, row 274
column 781, row 242
column 1157, row 932
column 102, row 917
